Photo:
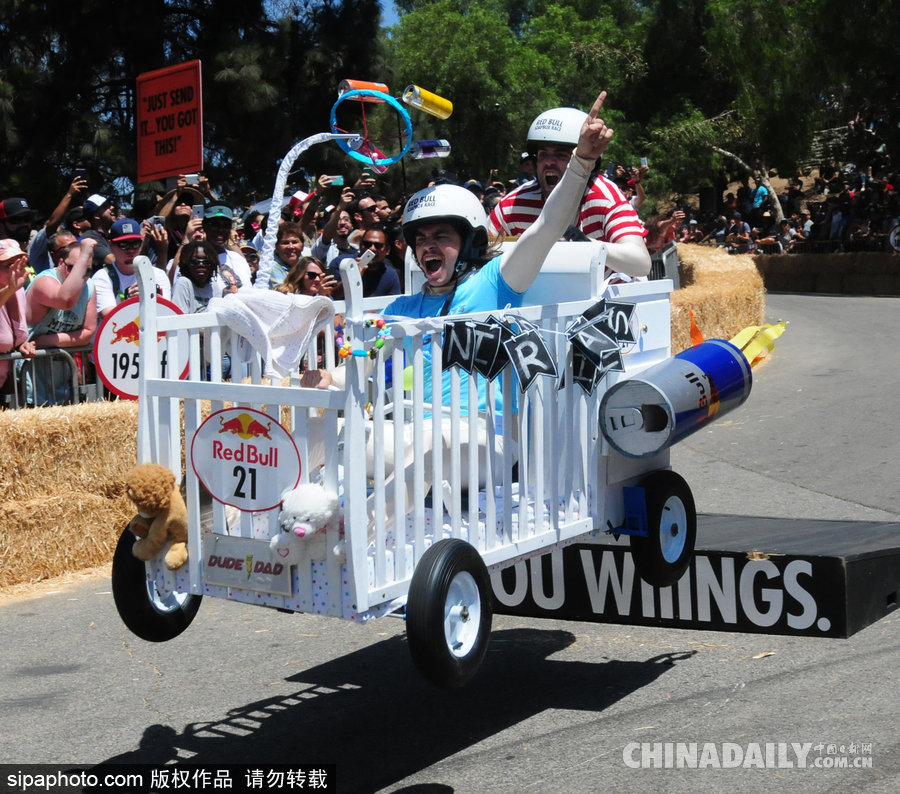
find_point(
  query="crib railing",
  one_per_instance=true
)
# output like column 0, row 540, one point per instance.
column 546, row 484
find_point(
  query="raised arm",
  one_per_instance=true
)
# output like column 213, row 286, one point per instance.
column 521, row 266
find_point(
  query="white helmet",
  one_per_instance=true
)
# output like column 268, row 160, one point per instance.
column 449, row 204
column 558, row 125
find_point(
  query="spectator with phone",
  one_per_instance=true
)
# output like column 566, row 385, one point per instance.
column 116, row 282
column 335, row 237
column 62, row 312
column 39, row 252
column 179, row 207
column 101, row 212
column 378, row 277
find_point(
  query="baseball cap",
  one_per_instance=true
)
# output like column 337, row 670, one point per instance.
column 96, row 203
column 11, row 207
column 473, row 183
column 74, row 215
column 736, row 215
column 692, row 221
column 218, row 211
column 9, row 249
column 125, row 229
column 249, row 249
column 298, row 198
column 524, row 156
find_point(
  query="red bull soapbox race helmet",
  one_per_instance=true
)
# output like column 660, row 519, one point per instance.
column 449, row 204
column 557, row 125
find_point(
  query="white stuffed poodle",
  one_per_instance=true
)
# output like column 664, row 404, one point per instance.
column 307, row 513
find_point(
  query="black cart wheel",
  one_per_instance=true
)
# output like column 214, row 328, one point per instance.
column 448, row 613
column 151, row 615
column 665, row 554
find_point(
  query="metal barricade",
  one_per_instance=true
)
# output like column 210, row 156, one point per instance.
column 664, row 264
column 79, row 384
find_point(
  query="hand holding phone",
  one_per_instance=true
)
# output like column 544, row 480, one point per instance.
column 197, row 211
column 365, row 259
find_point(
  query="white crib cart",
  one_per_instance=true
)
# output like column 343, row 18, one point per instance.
column 426, row 554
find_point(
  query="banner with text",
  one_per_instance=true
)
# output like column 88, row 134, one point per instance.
column 169, row 122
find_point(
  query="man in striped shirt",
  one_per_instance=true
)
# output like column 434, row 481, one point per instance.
column 605, row 214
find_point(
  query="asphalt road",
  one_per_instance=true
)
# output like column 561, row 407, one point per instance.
column 555, row 704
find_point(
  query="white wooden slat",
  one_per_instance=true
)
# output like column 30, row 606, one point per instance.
column 455, row 474
column 472, row 427
column 399, row 506
column 418, row 357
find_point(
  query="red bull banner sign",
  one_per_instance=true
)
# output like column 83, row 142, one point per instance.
column 245, row 458
column 117, row 352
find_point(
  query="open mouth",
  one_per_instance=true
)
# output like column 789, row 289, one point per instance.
column 551, row 178
column 431, row 265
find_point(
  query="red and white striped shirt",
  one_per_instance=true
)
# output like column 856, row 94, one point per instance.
column 605, row 214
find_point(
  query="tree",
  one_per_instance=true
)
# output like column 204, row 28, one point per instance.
column 67, row 87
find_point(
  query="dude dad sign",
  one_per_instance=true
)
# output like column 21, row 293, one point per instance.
column 169, row 122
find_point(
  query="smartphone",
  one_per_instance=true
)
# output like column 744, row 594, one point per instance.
column 192, row 179
column 158, row 220
column 366, row 258
column 197, row 212
column 644, row 162
column 360, row 192
column 79, row 173
column 337, row 181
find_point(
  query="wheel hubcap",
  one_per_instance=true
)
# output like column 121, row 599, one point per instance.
column 673, row 529
column 165, row 602
column 462, row 614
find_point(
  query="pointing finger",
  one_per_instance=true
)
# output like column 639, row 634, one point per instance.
column 597, row 105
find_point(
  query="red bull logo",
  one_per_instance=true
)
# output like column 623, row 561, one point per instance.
column 246, row 427
column 131, row 332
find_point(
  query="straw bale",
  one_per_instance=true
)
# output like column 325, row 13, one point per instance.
column 725, row 292
column 864, row 273
column 53, row 535
column 85, row 448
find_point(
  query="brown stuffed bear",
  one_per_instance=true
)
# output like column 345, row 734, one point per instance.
column 162, row 514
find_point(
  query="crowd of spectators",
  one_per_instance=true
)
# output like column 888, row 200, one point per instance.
column 59, row 279
column 844, row 211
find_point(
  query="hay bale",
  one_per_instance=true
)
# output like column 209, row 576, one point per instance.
column 54, row 535
column 725, row 292
column 85, row 448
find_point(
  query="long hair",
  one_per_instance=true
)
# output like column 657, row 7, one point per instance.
column 188, row 251
column 293, row 281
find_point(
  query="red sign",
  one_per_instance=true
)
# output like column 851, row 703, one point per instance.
column 169, row 122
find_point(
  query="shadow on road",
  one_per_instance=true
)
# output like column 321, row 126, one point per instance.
column 371, row 714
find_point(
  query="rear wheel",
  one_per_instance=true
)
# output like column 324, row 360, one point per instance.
column 666, row 553
column 449, row 612
column 150, row 614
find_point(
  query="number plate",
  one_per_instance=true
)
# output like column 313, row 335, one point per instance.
column 245, row 458
column 117, row 347
column 245, row 564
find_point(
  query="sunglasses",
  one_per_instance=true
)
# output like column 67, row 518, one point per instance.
column 371, row 244
column 196, row 261
column 128, row 245
column 313, row 276
column 368, row 209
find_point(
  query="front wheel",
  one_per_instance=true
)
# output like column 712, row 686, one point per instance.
column 665, row 554
column 448, row 615
column 151, row 615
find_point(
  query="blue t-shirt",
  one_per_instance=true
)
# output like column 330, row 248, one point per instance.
column 483, row 291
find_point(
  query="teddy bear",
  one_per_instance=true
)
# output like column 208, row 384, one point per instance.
column 307, row 513
column 162, row 514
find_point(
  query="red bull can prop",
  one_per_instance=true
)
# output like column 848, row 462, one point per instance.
column 642, row 416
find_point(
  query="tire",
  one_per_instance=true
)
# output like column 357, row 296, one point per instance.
column 147, row 613
column 448, row 613
column 666, row 553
